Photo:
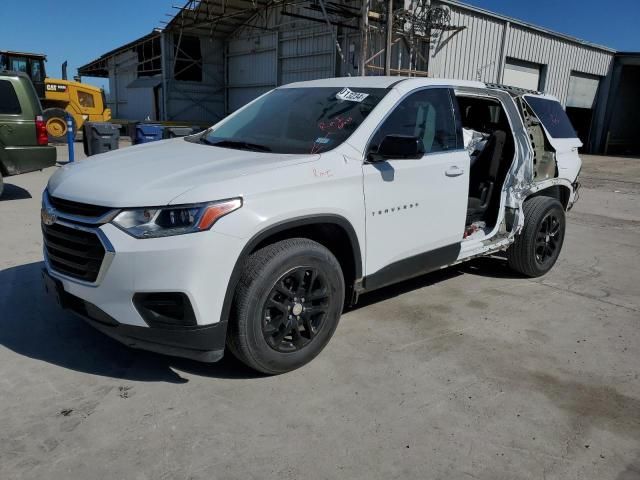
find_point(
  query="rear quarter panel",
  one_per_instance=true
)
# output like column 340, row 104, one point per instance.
column 19, row 150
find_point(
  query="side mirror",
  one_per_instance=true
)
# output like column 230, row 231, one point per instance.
column 398, row 147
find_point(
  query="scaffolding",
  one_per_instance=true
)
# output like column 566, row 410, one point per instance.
column 410, row 25
column 368, row 37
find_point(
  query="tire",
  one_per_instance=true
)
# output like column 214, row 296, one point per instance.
column 1, row 184
column 55, row 120
column 274, row 328
column 538, row 246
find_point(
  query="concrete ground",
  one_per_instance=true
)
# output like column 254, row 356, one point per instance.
column 465, row 373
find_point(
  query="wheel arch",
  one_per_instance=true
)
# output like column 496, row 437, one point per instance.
column 49, row 104
column 332, row 231
column 559, row 191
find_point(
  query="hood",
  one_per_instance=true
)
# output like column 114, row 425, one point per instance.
column 154, row 174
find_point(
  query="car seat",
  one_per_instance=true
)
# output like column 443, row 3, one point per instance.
column 483, row 176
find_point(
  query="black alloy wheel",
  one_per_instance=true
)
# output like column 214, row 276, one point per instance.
column 547, row 240
column 295, row 309
column 287, row 305
column 537, row 247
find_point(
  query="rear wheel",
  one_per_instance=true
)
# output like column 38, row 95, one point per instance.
column 538, row 246
column 56, row 123
column 287, row 305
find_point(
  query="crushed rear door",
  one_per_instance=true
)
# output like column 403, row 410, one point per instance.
column 559, row 132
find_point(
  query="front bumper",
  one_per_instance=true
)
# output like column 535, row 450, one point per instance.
column 197, row 265
column 202, row 343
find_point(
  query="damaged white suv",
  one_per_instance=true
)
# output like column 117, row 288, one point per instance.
column 254, row 234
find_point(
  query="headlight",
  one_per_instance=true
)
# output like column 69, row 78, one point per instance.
column 173, row 220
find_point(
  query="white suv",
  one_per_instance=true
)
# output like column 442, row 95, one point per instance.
column 255, row 234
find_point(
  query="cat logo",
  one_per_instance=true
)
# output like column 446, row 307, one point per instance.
column 54, row 87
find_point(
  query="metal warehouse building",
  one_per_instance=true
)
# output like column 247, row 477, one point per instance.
column 213, row 56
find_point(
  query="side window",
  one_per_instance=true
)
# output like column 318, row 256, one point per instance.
column 426, row 114
column 18, row 64
column 9, row 104
column 552, row 116
column 36, row 71
column 86, row 100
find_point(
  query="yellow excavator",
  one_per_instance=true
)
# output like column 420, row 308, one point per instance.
column 58, row 96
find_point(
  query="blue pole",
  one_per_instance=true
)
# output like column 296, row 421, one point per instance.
column 70, row 135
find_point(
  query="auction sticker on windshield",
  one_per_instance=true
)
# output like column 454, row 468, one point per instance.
column 350, row 95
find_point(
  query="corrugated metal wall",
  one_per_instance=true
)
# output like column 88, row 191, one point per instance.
column 197, row 101
column 299, row 49
column 306, row 54
column 473, row 53
column 560, row 57
column 251, row 68
column 123, row 69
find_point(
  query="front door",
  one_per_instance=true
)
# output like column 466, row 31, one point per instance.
column 416, row 209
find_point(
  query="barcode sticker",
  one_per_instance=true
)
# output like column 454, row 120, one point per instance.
column 351, row 96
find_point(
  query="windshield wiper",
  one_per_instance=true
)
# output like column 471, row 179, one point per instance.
column 205, row 140
column 238, row 144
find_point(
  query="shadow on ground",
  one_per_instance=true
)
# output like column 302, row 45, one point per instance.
column 14, row 192
column 494, row 266
column 32, row 325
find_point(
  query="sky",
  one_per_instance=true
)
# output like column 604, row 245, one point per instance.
column 78, row 30
column 81, row 30
column 612, row 23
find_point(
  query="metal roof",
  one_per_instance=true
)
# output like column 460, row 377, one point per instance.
column 24, row 54
column 218, row 17
column 98, row 67
column 515, row 21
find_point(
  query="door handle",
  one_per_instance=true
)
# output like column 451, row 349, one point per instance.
column 454, row 171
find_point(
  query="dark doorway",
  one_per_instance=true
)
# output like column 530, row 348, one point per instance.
column 581, row 121
column 622, row 134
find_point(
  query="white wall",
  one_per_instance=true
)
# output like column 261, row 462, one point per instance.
column 128, row 103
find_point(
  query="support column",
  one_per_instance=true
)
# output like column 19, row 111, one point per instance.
column 387, row 53
column 364, row 38
column 163, row 66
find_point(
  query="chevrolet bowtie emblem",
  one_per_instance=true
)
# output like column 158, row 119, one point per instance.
column 48, row 216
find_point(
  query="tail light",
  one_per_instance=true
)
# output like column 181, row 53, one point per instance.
column 41, row 131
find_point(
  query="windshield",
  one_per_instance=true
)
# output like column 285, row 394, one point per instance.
column 297, row 120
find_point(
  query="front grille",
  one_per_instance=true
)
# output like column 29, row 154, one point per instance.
column 75, row 208
column 76, row 253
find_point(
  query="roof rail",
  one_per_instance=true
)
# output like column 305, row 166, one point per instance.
column 510, row 89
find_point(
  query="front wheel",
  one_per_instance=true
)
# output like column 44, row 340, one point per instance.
column 287, row 305
column 538, row 246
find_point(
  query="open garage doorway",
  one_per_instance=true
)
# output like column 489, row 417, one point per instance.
column 581, row 101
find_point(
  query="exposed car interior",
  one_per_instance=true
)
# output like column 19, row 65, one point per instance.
column 490, row 144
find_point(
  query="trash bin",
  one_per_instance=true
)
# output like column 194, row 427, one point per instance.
column 172, row 132
column 148, row 132
column 100, row 137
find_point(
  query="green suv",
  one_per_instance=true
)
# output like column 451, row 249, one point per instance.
column 24, row 143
